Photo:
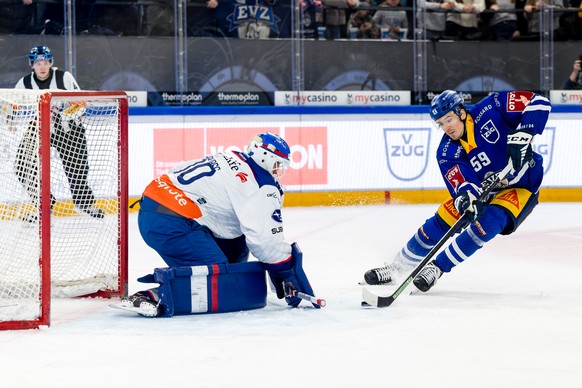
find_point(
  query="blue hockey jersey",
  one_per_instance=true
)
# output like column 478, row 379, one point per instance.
column 469, row 162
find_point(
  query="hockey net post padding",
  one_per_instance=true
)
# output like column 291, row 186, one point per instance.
column 63, row 200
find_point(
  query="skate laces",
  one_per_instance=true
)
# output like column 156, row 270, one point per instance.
column 383, row 274
column 430, row 273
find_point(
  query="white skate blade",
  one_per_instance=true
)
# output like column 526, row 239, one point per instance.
column 145, row 309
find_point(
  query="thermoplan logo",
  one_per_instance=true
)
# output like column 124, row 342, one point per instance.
column 544, row 145
column 407, row 151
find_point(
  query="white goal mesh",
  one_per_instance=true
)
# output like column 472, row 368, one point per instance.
column 63, row 200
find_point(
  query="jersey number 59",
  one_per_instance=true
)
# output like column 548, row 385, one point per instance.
column 479, row 161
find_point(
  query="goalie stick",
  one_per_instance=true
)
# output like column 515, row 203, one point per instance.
column 371, row 299
column 318, row 301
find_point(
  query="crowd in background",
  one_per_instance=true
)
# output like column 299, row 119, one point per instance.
column 325, row 19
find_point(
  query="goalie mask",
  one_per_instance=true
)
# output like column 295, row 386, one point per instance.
column 40, row 53
column 270, row 152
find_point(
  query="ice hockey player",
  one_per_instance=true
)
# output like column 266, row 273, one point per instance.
column 477, row 144
column 67, row 136
column 203, row 217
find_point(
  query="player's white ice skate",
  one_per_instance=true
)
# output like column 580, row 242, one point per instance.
column 427, row 277
column 390, row 273
column 139, row 304
column 377, row 276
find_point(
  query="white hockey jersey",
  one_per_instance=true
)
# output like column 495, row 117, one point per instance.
column 231, row 195
column 69, row 82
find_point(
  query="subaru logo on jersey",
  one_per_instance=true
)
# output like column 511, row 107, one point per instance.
column 277, row 216
column 407, row 151
column 544, row 145
column 489, row 132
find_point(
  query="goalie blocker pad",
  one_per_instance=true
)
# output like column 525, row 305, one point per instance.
column 216, row 288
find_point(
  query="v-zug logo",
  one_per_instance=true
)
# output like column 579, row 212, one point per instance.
column 489, row 132
column 544, row 145
column 407, row 151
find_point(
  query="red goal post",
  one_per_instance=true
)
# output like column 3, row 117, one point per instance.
column 63, row 200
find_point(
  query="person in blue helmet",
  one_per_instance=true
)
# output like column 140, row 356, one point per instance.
column 67, row 136
column 478, row 143
column 216, row 210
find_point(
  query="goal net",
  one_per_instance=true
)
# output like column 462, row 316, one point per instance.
column 63, row 200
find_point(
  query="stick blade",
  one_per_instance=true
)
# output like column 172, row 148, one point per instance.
column 374, row 300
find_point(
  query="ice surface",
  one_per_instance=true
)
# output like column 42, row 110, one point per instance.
column 509, row 317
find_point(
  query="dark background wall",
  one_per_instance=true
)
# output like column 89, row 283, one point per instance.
column 140, row 63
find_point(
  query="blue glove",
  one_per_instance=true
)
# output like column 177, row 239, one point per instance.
column 466, row 201
column 289, row 275
column 519, row 150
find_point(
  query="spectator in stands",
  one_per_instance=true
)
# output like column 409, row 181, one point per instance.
column 392, row 19
column 522, row 22
column 463, row 24
column 410, row 4
column 159, row 18
column 364, row 23
column 575, row 19
column 503, row 26
column 335, row 17
column 574, row 81
column 431, row 13
column 15, row 16
column 533, row 8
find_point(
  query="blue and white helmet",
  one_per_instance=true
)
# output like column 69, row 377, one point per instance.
column 40, row 53
column 447, row 101
column 270, row 152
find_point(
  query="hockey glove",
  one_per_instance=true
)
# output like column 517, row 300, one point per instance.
column 289, row 275
column 519, row 150
column 466, row 201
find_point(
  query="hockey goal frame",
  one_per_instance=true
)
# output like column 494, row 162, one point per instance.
column 44, row 203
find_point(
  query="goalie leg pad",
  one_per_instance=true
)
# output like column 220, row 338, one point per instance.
column 215, row 288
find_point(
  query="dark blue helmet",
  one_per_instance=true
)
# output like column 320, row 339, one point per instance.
column 40, row 53
column 447, row 101
column 271, row 152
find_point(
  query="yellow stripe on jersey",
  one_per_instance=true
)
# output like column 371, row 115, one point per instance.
column 470, row 144
column 512, row 199
column 448, row 213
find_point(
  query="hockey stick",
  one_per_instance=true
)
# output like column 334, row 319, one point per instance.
column 384, row 301
column 318, row 301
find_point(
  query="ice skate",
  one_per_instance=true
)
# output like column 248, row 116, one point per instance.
column 378, row 276
column 139, row 304
column 428, row 277
column 93, row 211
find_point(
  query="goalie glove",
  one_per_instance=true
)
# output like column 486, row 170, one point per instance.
column 289, row 275
column 519, row 150
column 466, row 201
